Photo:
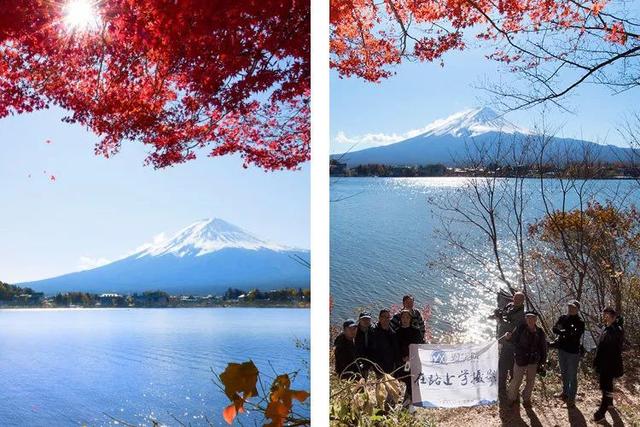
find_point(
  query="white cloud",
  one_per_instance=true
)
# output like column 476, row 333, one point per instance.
column 88, row 263
column 342, row 142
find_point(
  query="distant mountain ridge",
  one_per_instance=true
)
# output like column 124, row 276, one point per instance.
column 206, row 257
column 448, row 141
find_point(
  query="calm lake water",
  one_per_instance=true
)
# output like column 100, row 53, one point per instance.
column 71, row 367
column 384, row 237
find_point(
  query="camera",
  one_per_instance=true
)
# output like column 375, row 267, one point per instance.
column 560, row 336
column 498, row 314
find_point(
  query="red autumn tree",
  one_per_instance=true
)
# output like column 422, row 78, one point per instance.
column 181, row 76
column 554, row 44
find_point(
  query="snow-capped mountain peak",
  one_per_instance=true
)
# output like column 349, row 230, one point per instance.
column 472, row 122
column 203, row 237
column 206, row 257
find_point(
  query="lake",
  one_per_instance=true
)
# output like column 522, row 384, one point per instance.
column 384, row 241
column 71, row 367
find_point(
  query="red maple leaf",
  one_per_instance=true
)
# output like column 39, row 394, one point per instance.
column 182, row 77
column 368, row 38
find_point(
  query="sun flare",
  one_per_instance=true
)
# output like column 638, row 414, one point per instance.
column 81, row 15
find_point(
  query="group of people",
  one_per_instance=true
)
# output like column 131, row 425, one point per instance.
column 524, row 346
column 383, row 348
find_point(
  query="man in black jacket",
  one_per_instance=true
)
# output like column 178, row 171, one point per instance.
column 365, row 343
column 509, row 318
column 417, row 321
column 345, row 351
column 569, row 329
column 608, row 360
column 530, row 343
column 386, row 344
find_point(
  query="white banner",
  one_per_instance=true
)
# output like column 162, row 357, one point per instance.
column 449, row 376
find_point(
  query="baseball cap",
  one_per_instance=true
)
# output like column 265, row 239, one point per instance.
column 349, row 323
column 575, row 303
column 364, row 315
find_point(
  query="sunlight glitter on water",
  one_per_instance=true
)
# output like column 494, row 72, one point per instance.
column 429, row 182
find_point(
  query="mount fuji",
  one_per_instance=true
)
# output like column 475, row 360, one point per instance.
column 206, row 257
column 449, row 142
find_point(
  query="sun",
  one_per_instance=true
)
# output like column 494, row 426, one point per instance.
column 81, row 15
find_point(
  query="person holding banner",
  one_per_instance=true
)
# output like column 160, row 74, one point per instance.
column 569, row 329
column 530, row 344
column 509, row 318
column 608, row 360
column 386, row 344
column 407, row 334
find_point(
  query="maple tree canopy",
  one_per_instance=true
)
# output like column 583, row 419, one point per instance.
column 554, row 44
column 180, row 76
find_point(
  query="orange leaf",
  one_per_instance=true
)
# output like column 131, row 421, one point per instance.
column 280, row 400
column 300, row 395
column 229, row 413
column 239, row 381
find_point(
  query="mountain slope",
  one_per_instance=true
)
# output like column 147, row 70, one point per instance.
column 206, row 257
column 453, row 140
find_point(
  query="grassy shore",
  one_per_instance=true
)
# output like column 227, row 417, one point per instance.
column 546, row 411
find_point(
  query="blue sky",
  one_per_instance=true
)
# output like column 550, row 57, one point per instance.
column 100, row 209
column 422, row 92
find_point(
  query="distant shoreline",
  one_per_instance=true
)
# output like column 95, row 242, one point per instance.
column 12, row 296
column 575, row 170
column 31, row 308
column 616, row 178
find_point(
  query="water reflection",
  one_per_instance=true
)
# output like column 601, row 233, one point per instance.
column 386, row 241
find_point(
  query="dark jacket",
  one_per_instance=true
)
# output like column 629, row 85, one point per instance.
column 569, row 330
column 529, row 347
column 386, row 349
column 511, row 318
column 608, row 360
column 345, row 354
column 365, row 344
column 405, row 337
column 417, row 321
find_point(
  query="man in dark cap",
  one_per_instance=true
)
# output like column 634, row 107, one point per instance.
column 365, row 342
column 408, row 304
column 569, row 329
column 345, row 351
column 509, row 318
column 530, row 343
column 608, row 360
column 386, row 343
